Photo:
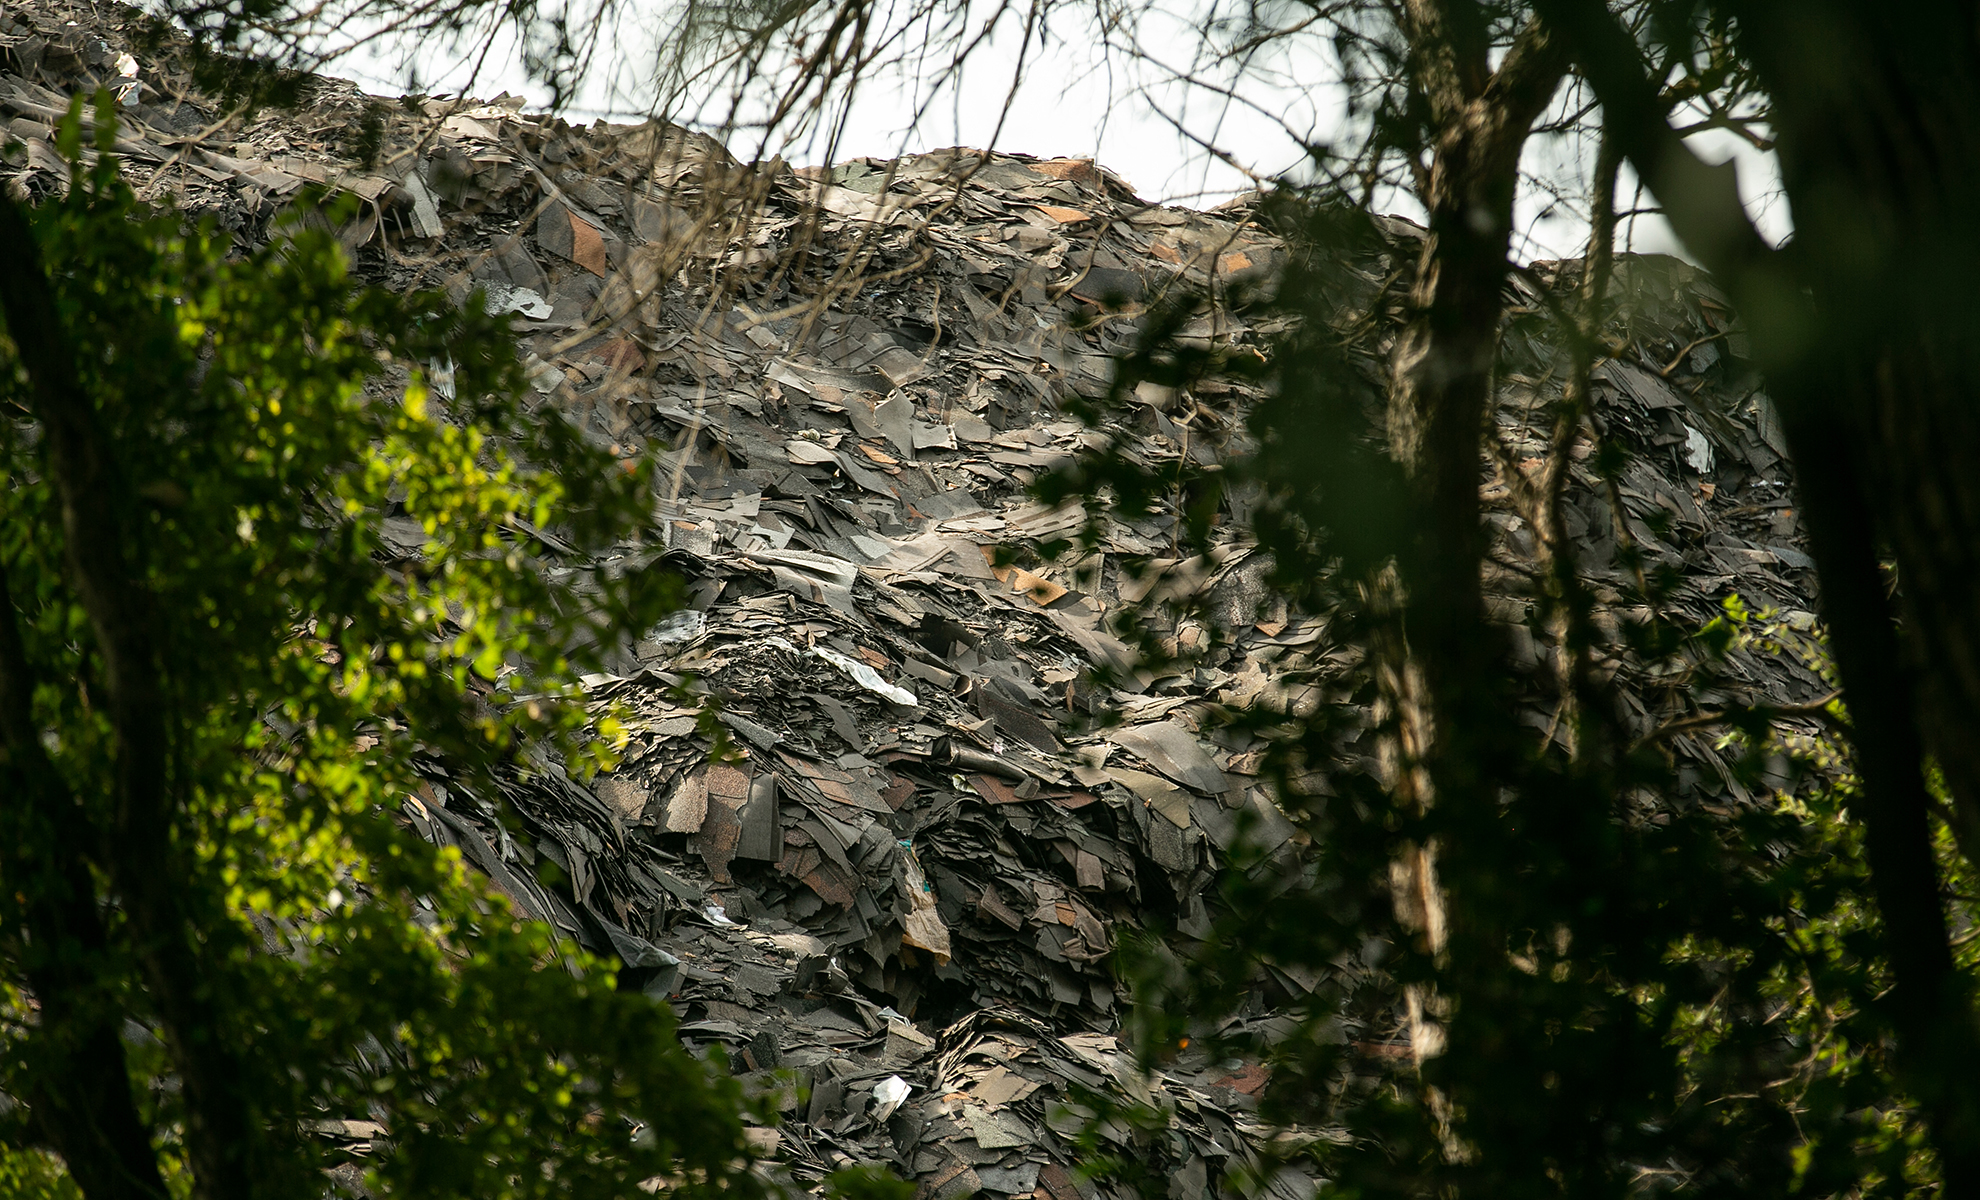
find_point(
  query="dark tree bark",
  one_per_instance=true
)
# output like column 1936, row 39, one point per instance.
column 1866, row 330
column 103, row 563
column 1878, row 123
column 1443, row 366
column 83, row 1105
column 1435, row 652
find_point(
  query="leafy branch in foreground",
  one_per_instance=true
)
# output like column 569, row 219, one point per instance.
column 213, row 932
column 1627, row 987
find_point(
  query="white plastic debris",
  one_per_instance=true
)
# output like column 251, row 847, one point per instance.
column 888, row 1096
column 440, row 378
column 678, row 627
column 127, row 87
column 502, row 298
column 866, row 676
column 858, row 671
column 1697, row 451
column 717, row 915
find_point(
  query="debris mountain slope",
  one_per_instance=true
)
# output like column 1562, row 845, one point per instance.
column 891, row 898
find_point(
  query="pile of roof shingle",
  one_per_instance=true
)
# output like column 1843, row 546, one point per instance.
column 893, row 904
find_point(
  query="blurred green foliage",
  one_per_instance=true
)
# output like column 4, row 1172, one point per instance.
column 1634, row 995
column 266, row 415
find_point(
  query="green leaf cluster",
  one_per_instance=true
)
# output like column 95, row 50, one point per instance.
column 1629, row 994
column 265, row 418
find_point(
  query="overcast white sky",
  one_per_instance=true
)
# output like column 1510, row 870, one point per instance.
column 1072, row 100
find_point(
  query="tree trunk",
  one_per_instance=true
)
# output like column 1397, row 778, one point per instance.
column 103, row 561
column 83, row 1104
column 1866, row 331
column 1878, row 119
column 1435, row 653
